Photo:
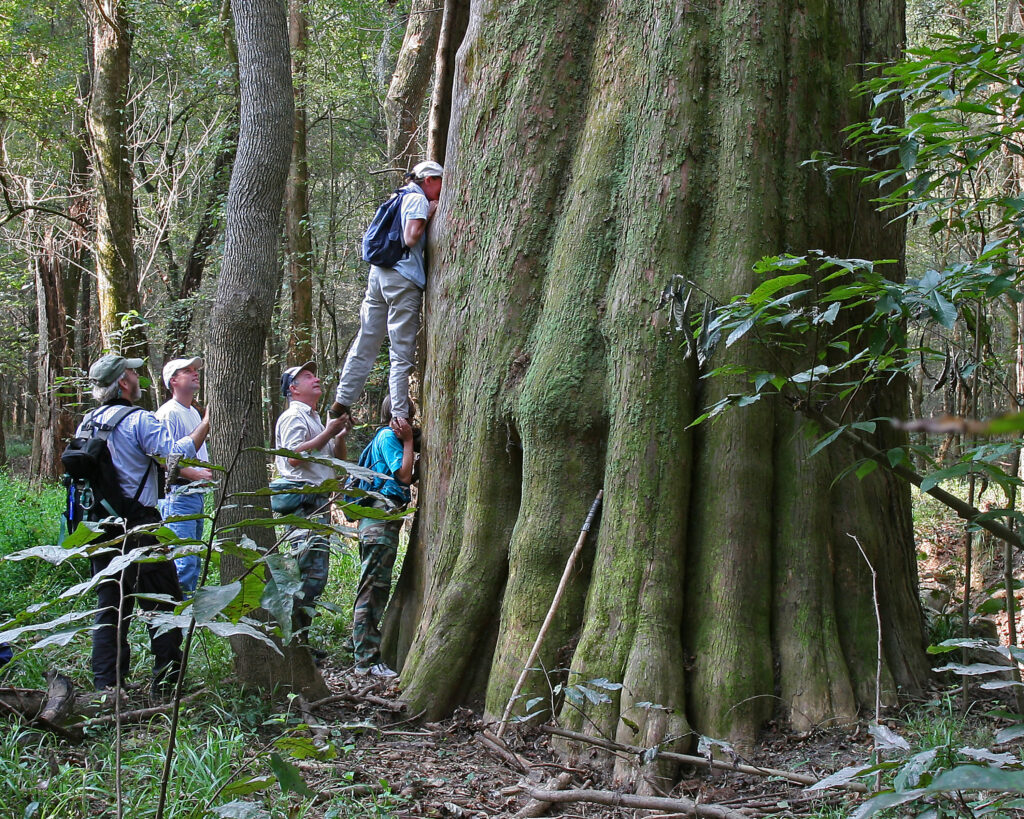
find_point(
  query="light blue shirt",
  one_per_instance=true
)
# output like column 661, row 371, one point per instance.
column 414, row 206
column 138, row 436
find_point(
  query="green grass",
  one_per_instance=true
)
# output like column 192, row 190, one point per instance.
column 224, row 736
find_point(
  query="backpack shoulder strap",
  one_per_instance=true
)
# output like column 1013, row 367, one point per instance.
column 104, row 428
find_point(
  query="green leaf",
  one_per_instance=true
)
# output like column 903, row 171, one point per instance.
column 824, row 442
column 978, row 778
column 304, row 748
column 886, row 800
column 766, row 290
column 908, row 154
column 240, row 809
column 212, row 600
column 251, row 784
column 288, row 776
column 974, row 669
column 602, row 682
column 866, row 468
column 944, row 312
column 1008, row 734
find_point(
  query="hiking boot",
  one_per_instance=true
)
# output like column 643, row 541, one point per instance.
column 378, row 670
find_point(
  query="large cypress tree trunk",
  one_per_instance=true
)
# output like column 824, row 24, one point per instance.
column 244, row 303
column 597, row 150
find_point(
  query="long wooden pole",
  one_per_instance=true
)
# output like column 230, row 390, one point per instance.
column 570, row 563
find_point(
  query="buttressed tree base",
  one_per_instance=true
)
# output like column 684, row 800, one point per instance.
column 597, row 149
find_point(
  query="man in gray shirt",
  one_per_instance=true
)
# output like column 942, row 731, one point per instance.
column 132, row 443
column 391, row 305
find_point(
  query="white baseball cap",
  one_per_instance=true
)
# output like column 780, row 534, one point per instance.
column 171, row 368
column 427, row 168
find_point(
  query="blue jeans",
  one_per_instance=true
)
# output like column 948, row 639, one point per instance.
column 188, row 566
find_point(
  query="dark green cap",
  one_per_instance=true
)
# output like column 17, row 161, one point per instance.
column 110, row 368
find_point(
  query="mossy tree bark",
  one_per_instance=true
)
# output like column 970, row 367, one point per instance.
column 244, row 303
column 117, row 284
column 597, row 150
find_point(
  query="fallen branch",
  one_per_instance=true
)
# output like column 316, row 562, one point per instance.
column 630, row 800
column 537, row 807
column 498, row 748
column 688, row 759
column 317, row 730
column 140, row 713
column 358, row 699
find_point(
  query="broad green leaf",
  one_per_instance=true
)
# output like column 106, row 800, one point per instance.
column 250, row 784
column 766, row 290
column 824, row 442
column 304, row 748
column 1009, row 734
column 222, row 629
column 908, row 154
column 212, row 600
column 973, row 670
column 288, row 776
column 886, row 800
column 240, row 809
column 13, row 634
column 839, row 778
column 977, row 778
column 866, row 468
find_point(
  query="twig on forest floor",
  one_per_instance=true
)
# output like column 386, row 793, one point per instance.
column 358, row 699
column 687, row 759
column 629, row 800
column 493, row 744
column 878, row 649
column 536, row 807
column 140, row 713
column 317, row 730
column 562, row 583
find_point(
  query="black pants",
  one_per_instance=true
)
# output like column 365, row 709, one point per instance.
column 116, row 604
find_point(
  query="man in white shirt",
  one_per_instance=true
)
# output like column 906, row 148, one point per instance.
column 300, row 429
column 180, row 416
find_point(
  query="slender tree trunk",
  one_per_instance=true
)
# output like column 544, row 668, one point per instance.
column 244, row 301
column 624, row 142
column 453, row 29
column 403, row 108
column 55, row 420
column 116, row 271
column 182, row 312
column 296, row 200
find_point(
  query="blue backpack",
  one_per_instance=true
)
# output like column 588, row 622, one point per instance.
column 383, row 242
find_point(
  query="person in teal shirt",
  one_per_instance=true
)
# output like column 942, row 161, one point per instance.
column 389, row 453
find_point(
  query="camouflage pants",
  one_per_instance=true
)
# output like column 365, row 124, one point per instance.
column 312, row 552
column 378, row 547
